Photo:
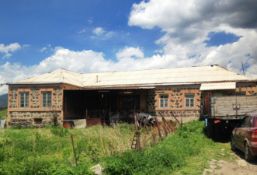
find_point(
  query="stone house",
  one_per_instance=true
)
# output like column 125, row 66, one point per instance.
column 62, row 96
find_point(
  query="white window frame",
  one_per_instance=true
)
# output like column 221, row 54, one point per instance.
column 189, row 100
column 164, row 101
column 46, row 99
column 24, row 99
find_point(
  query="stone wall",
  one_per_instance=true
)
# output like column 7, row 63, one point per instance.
column 151, row 102
column 37, row 119
column 176, row 102
column 247, row 88
column 35, row 114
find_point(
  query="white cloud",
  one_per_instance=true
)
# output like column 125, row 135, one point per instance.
column 101, row 33
column 8, row 49
column 130, row 52
column 82, row 61
column 47, row 48
column 186, row 27
column 98, row 31
column 11, row 72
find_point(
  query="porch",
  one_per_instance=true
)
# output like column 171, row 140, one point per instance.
column 103, row 106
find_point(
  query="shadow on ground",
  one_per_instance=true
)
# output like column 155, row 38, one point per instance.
column 221, row 136
column 240, row 154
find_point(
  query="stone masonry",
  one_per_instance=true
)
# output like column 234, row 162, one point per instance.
column 34, row 114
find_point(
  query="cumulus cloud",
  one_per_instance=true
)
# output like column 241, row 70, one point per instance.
column 8, row 49
column 83, row 61
column 130, row 52
column 12, row 72
column 187, row 25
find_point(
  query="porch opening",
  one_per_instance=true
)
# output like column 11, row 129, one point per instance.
column 104, row 106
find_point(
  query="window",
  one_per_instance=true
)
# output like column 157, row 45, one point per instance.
column 163, row 101
column 189, row 100
column 47, row 99
column 24, row 99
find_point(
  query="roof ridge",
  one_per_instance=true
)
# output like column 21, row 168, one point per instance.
column 151, row 69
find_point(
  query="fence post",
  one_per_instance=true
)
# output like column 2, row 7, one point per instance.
column 73, row 149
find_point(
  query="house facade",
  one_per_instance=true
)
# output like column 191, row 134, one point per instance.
column 63, row 96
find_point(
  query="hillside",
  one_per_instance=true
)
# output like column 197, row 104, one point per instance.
column 3, row 100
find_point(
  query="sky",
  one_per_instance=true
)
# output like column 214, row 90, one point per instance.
column 39, row 36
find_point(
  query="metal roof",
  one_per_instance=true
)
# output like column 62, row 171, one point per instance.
column 218, row 86
column 173, row 76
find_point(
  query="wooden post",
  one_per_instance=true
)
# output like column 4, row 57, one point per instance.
column 138, row 143
column 154, row 134
column 159, row 130
column 73, row 149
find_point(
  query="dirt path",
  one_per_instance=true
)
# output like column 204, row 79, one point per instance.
column 236, row 167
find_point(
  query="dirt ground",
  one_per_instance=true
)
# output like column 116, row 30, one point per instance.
column 236, row 167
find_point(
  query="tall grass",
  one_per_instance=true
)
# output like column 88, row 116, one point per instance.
column 169, row 156
column 3, row 113
column 49, row 150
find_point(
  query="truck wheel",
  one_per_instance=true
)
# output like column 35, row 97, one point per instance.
column 248, row 154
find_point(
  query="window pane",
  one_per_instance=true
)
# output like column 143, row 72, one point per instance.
column 24, row 99
column 189, row 100
column 47, row 99
column 163, row 101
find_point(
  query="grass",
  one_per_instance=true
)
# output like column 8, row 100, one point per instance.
column 49, row 151
column 185, row 152
column 3, row 113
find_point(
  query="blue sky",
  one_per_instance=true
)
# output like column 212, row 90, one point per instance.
column 69, row 24
column 39, row 36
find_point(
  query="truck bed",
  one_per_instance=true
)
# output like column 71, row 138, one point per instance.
column 232, row 107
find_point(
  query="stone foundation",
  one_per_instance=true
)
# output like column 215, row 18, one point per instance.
column 34, row 119
column 181, row 115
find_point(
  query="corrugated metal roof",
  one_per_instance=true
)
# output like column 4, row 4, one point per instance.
column 218, row 86
column 173, row 76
